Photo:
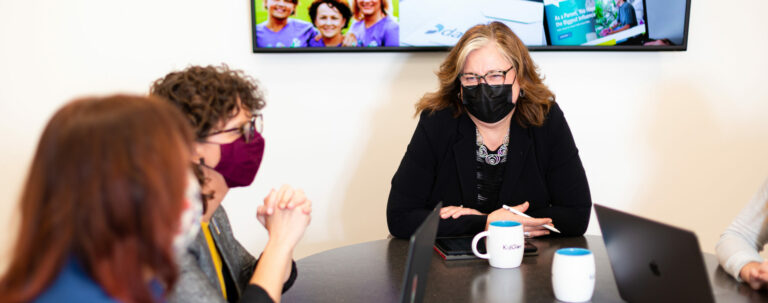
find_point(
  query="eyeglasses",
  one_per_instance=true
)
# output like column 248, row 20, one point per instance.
column 494, row 77
column 248, row 129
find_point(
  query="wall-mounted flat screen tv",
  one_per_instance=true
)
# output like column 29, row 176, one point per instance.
column 436, row 25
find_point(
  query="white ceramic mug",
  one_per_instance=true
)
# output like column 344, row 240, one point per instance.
column 505, row 244
column 573, row 274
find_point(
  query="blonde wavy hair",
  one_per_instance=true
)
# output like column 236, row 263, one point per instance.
column 535, row 99
column 358, row 14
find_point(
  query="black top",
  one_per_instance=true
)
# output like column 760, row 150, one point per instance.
column 543, row 167
column 489, row 178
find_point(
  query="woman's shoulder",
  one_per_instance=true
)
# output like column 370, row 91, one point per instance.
column 391, row 23
column 555, row 112
column 357, row 25
column 440, row 125
column 439, row 117
column 73, row 285
column 554, row 117
column 300, row 25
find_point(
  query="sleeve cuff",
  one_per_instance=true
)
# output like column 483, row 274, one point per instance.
column 738, row 261
column 254, row 293
column 294, row 273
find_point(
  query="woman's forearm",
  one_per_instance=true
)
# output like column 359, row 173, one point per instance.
column 274, row 269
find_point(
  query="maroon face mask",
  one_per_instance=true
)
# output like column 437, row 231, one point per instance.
column 240, row 161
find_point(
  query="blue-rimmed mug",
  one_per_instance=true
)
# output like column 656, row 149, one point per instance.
column 505, row 244
column 573, row 274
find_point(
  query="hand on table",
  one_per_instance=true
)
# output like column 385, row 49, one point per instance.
column 457, row 211
column 284, row 198
column 755, row 274
column 531, row 226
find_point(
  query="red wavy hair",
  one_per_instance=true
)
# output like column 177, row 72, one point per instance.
column 106, row 187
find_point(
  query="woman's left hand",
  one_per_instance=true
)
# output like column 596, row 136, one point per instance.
column 349, row 40
column 457, row 211
column 285, row 198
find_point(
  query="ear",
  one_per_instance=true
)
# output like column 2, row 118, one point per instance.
column 198, row 153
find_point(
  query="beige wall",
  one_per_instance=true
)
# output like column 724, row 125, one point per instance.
column 675, row 136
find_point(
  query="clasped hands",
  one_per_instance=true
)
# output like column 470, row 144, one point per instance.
column 285, row 214
column 533, row 227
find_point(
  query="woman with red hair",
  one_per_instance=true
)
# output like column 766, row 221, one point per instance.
column 109, row 198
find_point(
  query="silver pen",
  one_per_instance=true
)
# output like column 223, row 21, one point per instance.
column 517, row 212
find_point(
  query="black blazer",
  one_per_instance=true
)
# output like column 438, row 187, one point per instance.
column 543, row 167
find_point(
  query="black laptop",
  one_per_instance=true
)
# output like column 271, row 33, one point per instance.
column 653, row 262
column 419, row 258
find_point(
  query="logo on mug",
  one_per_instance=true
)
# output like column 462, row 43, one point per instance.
column 510, row 246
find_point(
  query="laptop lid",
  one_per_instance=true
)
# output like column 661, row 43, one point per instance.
column 652, row 261
column 420, row 257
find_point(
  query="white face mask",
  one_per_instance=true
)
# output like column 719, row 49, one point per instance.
column 189, row 225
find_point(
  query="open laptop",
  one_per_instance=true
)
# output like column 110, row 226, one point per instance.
column 653, row 262
column 419, row 258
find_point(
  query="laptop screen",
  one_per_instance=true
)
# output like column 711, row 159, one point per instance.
column 420, row 257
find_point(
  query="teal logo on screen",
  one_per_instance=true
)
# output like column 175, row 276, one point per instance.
column 441, row 30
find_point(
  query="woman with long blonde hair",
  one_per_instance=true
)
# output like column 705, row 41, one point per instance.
column 375, row 27
column 491, row 135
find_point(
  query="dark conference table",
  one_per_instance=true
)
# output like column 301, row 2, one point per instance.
column 373, row 272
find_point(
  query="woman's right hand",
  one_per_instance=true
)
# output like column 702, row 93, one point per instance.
column 457, row 211
column 285, row 197
column 349, row 40
column 531, row 226
column 286, row 226
column 755, row 274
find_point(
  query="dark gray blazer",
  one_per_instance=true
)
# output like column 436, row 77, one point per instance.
column 198, row 281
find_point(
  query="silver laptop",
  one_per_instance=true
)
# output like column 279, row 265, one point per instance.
column 419, row 258
column 653, row 262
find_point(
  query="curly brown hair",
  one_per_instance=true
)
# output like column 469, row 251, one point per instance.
column 340, row 5
column 209, row 95
column 531, row 108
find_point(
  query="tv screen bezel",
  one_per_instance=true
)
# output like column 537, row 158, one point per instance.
column 408, row 49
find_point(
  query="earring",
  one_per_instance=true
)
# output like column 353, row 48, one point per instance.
column 522, row 93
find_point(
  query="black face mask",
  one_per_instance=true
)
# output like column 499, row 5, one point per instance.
column 489, row 103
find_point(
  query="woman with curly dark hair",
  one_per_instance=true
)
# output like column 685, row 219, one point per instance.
column 491, row 135
column 330, row 17
column 108, row 197
column 223, row 106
